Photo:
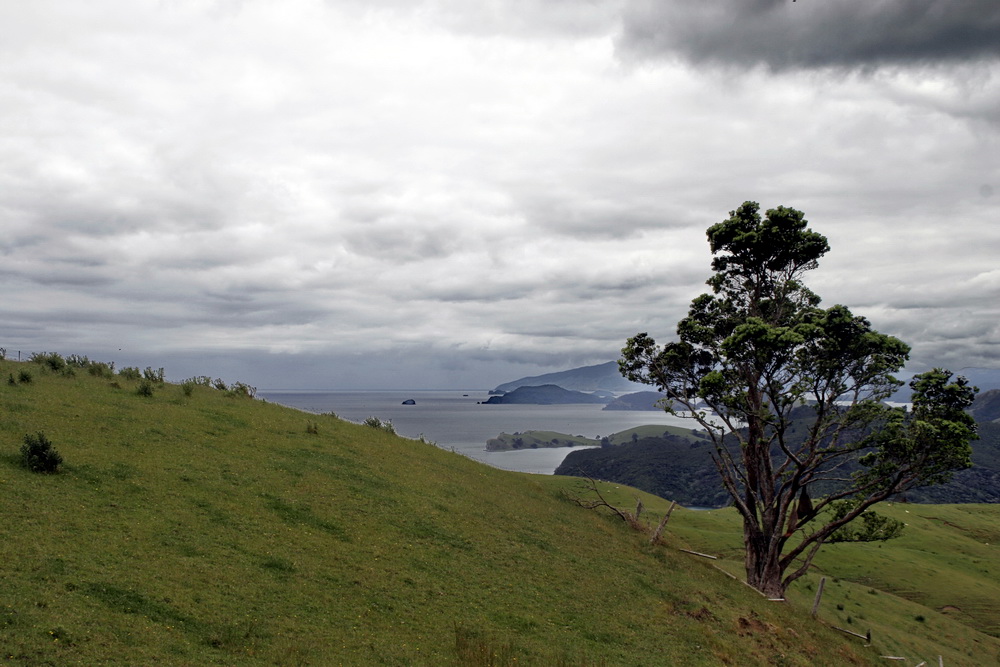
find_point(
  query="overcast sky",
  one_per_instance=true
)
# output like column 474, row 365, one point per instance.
column 453, row 194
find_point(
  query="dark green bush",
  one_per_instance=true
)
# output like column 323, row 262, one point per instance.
column 53, row 360
column 145, row 388
column 24, row 377
column 130, row 373
column 241, row 390
column 78, row 360
column 187, row 387
column 101, row 369
column 38, row 455
column 153, row 375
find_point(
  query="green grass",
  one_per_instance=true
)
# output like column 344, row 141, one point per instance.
column 933, row 591
column 216, row 530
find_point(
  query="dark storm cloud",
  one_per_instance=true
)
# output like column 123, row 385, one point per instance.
column 782, row 34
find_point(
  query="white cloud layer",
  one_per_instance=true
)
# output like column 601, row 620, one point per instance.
column 416, row 194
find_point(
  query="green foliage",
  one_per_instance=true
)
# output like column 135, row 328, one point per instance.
column 241, row 390
column 927, row 444
column 758, row 348
column 102, row 369
column 153, row 375
column 376, row 423
column 145, row 388
column 130, row 373
column 38, row 455
column 187, row 387
column 871, row 527
column 52, row 360
column 24, row 376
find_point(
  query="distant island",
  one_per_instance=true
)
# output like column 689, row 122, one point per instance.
column 548, row 394
column 601, row 377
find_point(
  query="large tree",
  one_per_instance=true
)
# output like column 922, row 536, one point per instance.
column 756, row 354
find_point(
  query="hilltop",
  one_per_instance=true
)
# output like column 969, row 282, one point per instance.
column 192, row 524
column 601, row 377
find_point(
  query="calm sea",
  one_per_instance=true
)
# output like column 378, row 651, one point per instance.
column 457, row 420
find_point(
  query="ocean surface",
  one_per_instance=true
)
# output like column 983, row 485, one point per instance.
column 457, row 420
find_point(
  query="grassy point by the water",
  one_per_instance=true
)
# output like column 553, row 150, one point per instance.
column 199, row 527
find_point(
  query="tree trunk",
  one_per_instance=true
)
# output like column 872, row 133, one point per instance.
column 762, row 563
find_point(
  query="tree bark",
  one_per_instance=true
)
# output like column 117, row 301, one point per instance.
column 763, row 563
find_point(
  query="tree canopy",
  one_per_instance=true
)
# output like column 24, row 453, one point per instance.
column 758, row 347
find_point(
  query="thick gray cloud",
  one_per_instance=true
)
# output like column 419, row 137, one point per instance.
column 782, row 34
column 440, row 193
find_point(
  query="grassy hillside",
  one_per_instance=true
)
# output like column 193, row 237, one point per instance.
column 211, row 528
column 914, row 593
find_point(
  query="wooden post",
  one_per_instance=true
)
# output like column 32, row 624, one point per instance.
column 819, row 594
column 867, row 637
column 663, row 524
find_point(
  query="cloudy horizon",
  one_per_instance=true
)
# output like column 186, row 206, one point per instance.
column 441, row 194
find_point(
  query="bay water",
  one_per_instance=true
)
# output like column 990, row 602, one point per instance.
column 460, row 421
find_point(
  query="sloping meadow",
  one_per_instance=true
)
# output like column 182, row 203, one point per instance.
column 189, row 525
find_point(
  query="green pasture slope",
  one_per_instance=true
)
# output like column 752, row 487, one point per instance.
column 212, row 529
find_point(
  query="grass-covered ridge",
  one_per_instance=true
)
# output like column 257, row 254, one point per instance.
column 195, row 526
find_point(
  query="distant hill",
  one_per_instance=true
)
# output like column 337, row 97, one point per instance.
column 546, row 394
column 679, row 465
column 669, row 465
column 602, row 377
column 640, row 400
column 986, row 407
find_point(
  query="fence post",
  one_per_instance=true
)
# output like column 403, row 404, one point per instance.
column 819, row 594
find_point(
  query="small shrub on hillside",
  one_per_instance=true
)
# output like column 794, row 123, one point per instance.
column 375, row 422
column 869, row 527
column 130, row 373
column 200, row 381
column 53, row 360
column 220, row 384
column 3, row 353
column 101, row 369
column 11, row 381
column 78, row 361
column 241, row 390
column 312, row 428
column 24, row 377
column 187, row 387
column 153, row 375
column 38, row 455
column 145, row 388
